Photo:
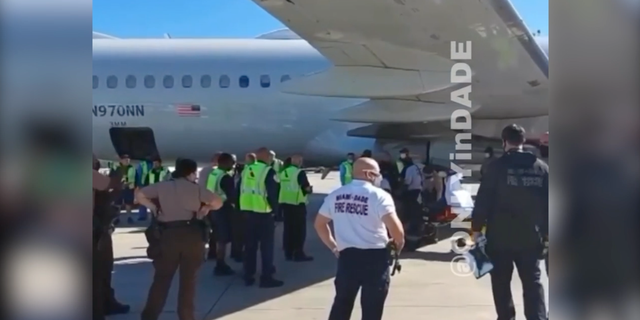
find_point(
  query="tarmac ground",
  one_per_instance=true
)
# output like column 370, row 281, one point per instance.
column 427, row 288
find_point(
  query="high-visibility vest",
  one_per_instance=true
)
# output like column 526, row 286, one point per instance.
column 400, row 166
column 253, row 189
column 348, row 171
column 144, row 170
column 213, row 182
column 129, row 178
column 157, row 176
column 290, row 191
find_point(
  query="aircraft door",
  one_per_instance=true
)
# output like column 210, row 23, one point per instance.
column 137, row 142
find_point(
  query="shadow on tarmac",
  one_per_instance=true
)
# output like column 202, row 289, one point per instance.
column 220, row 296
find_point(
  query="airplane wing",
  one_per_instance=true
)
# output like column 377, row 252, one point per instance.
column 403, row 48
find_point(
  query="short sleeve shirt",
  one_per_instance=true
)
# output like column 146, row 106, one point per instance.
column 357, row 210
column 179, row 199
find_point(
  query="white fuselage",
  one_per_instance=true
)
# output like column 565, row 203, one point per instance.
column 235, row 117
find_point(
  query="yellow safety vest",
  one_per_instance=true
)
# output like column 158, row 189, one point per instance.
column 348, row 171
column 213, row 182
column 290, row 191
column 153, row 177
column 253, row 189
column 129, row 178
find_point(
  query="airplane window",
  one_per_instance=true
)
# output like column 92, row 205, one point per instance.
column 149, row 82
column 130, row 82
column 205, row 81
column 225, row 81
column 265, row 81
column 284, row 78
column 96, row 82
column 243, row 82
column 168, row 82
column 112, row 82
column 187, row 81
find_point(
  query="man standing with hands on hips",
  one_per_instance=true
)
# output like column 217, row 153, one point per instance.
column 361, row 212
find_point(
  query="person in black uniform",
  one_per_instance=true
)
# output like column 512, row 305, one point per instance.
column 105, row 302
column 222, row 218
column 513, row 203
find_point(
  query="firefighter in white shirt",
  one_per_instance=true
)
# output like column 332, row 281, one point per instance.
column 360, row 211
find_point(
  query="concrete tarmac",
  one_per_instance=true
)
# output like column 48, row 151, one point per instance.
column 427, row 288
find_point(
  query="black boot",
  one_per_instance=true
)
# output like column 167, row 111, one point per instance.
column 222, row 269
column 117, row 308
column 270, row 282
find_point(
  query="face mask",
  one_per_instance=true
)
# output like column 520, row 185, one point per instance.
column 377, row 181
column 403, row 156
column 350, row 160
column 487, row 155
column 442, row 174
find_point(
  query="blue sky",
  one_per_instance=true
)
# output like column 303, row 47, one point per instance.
column 224, row 18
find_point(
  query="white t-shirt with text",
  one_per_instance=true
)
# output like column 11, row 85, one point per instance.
column 357, row 209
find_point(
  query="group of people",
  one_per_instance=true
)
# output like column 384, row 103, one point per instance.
column 225, row 203
column 243, row 202
column 286, row 187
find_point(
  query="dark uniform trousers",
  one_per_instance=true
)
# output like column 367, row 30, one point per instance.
column 295, row 229
column 259, row 232
column 361, row 268
column 412, row 212
column 238, row 226
column 528, row 265
column 180, row 247
column 103, row 293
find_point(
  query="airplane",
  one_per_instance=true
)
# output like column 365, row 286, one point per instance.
column 342, row 77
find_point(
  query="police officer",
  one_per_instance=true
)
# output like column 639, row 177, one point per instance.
column 104, row 300
column 360, row 211
column 294, row 189
column 182, row 205
column 259, row 201
column 513, row 203
column 221, row 183
column 346, row 169
column 128, row 185
column 413, row 181
column 488, row 157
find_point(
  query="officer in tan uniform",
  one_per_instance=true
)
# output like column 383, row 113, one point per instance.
column 179, row 205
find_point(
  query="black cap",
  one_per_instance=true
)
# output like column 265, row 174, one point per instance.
column 404, row 150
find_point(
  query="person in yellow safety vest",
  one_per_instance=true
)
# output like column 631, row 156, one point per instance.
column 203, row 177
column 346, row 169
column 221, row 183
column 141, row 176
column 294, row 189
column 156, row 174
column 128, row 185
column 259, row 202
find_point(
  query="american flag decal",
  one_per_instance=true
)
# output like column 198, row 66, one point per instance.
column 188, row 110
